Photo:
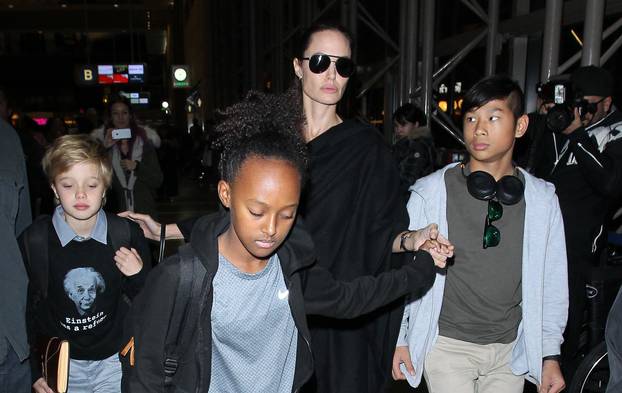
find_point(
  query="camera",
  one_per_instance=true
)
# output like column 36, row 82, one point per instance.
column 121, row 133
column 566, row 98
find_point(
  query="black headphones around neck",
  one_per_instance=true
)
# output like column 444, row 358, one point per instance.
column 481, row 185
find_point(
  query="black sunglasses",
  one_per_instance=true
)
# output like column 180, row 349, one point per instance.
column 492, row 235
column 320, row 62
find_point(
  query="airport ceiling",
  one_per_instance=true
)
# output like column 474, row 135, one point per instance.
column 84, row 15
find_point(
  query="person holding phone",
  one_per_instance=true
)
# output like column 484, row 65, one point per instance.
column 137, row 173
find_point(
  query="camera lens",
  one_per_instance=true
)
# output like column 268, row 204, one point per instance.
column 559, row 117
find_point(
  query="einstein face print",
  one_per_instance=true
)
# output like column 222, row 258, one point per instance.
column 82, row 285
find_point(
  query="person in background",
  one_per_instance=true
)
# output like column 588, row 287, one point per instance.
column 584, row 162
column 413, row 148
column 136, row 171
column 15, row 216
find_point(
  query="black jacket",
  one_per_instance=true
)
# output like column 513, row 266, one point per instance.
column 586, row 169
column 312, row 290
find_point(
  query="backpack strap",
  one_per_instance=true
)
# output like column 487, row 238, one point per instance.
column 191, row 275
column 36, row 258
column 119, row 231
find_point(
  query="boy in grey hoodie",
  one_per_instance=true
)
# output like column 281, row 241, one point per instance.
column 495, row 316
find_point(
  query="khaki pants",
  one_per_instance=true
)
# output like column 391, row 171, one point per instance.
column 455, row 366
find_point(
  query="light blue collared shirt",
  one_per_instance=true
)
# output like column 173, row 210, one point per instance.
column 66, row 234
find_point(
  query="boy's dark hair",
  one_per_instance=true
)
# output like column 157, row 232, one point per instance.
column 496, row 87
column 409, row 113
column 262, row 125
column 305, row 39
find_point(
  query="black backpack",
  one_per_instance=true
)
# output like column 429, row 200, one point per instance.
column 183, row 320
column 36, row 242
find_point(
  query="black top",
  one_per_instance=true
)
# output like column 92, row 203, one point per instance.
column 353, row 209
column 312, row 290
column 87, row 299
column 415, row 159
column 587, row 180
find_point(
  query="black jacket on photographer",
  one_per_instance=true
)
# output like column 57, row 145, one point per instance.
column 586, row 169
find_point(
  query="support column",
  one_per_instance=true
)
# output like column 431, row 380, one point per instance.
column 550, row 41
column 402, row 89
column 493, row 30
column 412, row 27
column 427, row 55
column 593, row 32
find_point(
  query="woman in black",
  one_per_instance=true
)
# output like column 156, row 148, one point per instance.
column 352, row 208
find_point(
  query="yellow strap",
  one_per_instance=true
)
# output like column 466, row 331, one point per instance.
column 129, row 347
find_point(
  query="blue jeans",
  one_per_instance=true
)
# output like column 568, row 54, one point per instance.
column 95, row 376
column 14, row 375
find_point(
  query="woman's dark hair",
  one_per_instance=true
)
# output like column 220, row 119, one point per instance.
column 262, row 125
column 305, row 39
column 409, row 113
column 496, row 87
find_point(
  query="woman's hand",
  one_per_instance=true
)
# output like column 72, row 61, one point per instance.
column 128, row 261
column 128, row 165
column 108, row 141
column 151, row 228
column 40, row 386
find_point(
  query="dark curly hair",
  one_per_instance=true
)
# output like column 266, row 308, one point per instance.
column 262, row 125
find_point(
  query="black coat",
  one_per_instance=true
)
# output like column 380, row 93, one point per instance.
column 354, row 208
column 312, row 290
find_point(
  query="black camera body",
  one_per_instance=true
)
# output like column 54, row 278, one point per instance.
column 566, row 98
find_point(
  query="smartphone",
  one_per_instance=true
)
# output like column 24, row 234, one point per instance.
column 121, row 133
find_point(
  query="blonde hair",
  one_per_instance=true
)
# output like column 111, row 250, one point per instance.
column 69, row 150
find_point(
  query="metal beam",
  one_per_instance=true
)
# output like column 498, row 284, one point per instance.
column 518, row 47
column 477, row 9
column 449, row 130
column 412, row 43
column 371, row 81
column 449, row 66
column 612, row 49
column 592, row 32
column 550, row 45
column 369, row 20
column 573, row 12
column 574, row 58
column 491, row 42
column 427, row 54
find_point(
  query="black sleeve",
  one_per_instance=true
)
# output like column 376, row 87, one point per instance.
column 32, row 331
column 133, row 284
column 185, row 226
column 602, row 170
column 337, row 299
column 148, row 322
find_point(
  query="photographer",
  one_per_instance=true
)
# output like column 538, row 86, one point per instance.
column 582, row 157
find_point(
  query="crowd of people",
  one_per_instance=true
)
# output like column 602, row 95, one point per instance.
column 336, row 262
